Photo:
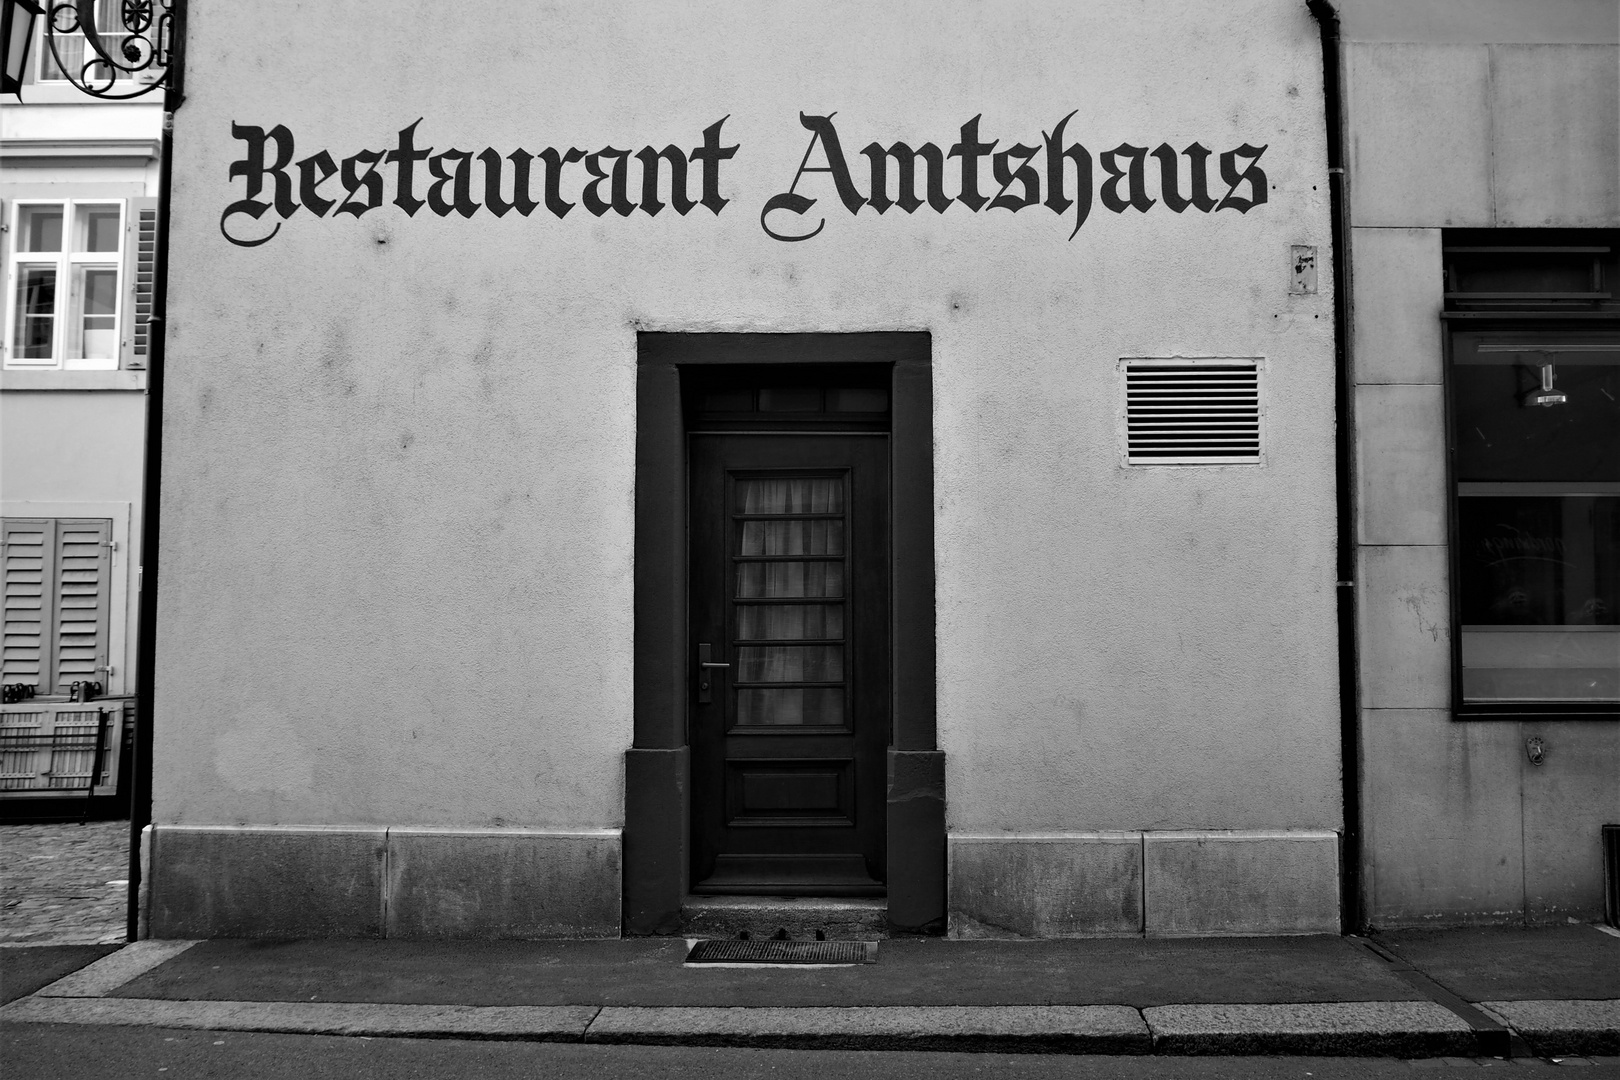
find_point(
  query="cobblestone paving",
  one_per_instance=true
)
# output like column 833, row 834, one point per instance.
column 63, row 884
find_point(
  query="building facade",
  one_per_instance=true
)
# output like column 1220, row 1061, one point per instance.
column 78, row 202
column 1484, row 188
column 681, row 458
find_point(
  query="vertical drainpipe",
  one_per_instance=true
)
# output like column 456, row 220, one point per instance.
column 1350, row 905
column 140, row 773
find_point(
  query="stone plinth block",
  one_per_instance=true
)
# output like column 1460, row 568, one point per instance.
column 1241, row 882
column 503, row 883
column 1046, row 885
column 266, row 881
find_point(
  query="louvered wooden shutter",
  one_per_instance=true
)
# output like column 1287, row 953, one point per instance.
column 140, row 266
column 58, row 577
column 30, row 559
column 83, row 576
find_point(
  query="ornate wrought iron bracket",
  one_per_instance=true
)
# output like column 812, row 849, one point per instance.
column 125, row 60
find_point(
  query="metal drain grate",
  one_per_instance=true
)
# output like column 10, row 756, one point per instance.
column 775, row 951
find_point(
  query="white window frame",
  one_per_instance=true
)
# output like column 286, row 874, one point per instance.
column 65, row 261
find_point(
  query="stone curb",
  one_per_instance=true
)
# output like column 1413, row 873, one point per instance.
column 535, row 1023
column 1393, row 1029
column 1339, row 1028
column 1060, row 1029
column 1563, row 1028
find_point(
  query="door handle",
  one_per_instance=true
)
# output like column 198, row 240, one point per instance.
column 705, row 664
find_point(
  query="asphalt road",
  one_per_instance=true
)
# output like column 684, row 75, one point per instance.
column 49, row 1051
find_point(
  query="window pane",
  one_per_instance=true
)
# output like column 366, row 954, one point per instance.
column 1540, row 585
column 790, row 399
column 858, row 399
column 809, row 706
column 1539, row 560
column 728, row 401
column 96, row 298
column 97, row 229
column 33, row 336
column 1541, row 664
column 1502, row 436
column 74, row 51
column 39, row 228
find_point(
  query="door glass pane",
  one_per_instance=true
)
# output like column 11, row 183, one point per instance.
column 33, row 335
column 815, row 536
column 790, row 579
column 790, row 663
column 801, row 706
column 796, row 495
column 39, row 228
column 789, row 621
column 96, row 290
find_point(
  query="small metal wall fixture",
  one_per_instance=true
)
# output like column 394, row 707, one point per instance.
column 124, row 60
column 1535, row 749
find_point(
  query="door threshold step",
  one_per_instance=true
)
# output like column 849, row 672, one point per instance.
column 800, row 918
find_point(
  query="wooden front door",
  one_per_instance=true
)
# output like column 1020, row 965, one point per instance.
column 789, row 718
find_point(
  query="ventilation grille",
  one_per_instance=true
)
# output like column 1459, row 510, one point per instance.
column 1181, row 412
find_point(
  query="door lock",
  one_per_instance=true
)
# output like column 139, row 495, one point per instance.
column 705, row 651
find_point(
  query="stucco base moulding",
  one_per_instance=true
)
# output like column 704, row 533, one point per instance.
column 1188, row 883
column 289, row 881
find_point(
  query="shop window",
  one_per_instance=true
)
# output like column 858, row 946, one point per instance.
column 79, row 289
column 1535, row 433
column 57, row 596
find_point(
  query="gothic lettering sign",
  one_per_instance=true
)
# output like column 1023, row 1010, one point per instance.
column 1053, row 172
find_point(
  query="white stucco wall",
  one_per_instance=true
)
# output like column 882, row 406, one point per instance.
column 397, row 563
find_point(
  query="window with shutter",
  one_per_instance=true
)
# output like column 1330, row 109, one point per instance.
column 140, row 276
column 57, row 601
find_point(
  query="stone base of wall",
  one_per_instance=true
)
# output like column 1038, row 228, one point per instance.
column 1165, row 884
column 268, row 881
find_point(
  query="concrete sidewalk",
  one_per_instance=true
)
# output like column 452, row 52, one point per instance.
column 1492, row 992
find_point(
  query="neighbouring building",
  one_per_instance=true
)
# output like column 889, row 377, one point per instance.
column 1484, row 183
column 643, row 468
column 78, row 180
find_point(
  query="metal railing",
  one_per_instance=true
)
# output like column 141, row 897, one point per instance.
column 60, row 749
